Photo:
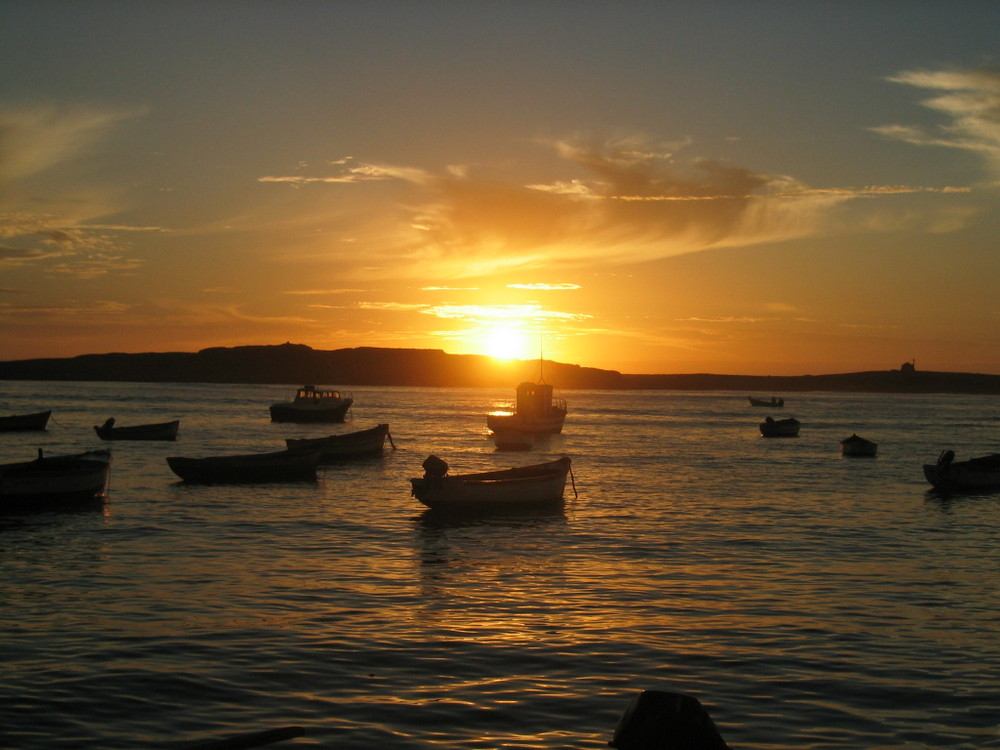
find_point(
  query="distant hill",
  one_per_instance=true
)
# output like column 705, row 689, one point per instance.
column 297, row 364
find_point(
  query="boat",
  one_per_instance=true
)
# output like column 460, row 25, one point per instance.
column 349, row 445
column 666, row 719
column 772, row 427
column 855, row 445
column 311, row 405
column 535, row 411
column 278, row 466
column 773, row 402
column 159, row 431
column 982, row 473
column 538, row 485
column 25, row 422
column 513, row 440
column 54, row 481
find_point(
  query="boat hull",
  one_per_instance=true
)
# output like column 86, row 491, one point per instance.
column 541, row 485
column 773, row 403
column 858, row 446
column 54, row 481
column 964, row 476
column 161, row 431
column 340, row 447
column 25, row 422
column 279, row 466
column 551, row 424
column 309, row 413
column 780, row 427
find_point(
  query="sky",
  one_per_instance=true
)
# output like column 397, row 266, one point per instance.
column 764, row 188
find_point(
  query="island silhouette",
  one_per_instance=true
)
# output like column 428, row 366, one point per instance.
column 373, row 366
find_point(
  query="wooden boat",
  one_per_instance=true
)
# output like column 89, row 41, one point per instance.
column 981, row 473
column 856, row 445
column 159, row 431
column 773, row 402
column 25, row 422
column 662, row 719
column 535, row 411
column 772, row 427
column 513, row 440
column 349, row 445
column 54, row 481
column 525, row 486
column 310, row 405
column 279, row 466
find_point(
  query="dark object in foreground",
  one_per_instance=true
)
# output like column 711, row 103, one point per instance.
column 772, row 427
column 661, row 720
column 249, row 740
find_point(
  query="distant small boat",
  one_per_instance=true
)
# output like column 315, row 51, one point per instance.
column 25, row 422
column 535, row 411
column 349, row 445
column 522, row 487
column 159, row 431
column 279, row 466
column 773, row 402
column 856, row 445
column 771, row 427
column 310, row 405
column 513, row 440
column 981, row 473
column 54, row 481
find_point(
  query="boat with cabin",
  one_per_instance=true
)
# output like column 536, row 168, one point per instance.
column 312, row 405
column 535, row 411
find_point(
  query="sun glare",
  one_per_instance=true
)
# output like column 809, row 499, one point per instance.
column 506, row 343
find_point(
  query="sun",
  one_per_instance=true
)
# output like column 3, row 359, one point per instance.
column 506, row 343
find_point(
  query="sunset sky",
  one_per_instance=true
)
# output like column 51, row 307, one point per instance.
column 768, row 187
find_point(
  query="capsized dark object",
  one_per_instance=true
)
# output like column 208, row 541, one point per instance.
column 661, row 720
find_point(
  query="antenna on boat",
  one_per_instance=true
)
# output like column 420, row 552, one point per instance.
column 541, row 360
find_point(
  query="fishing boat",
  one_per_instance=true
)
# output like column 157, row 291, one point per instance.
column 772, row 427
column 278, row 466
column 159, row 431
column 523, row 487
column 349, row 445
column 535, row 411
column 311, row 405
column 54, row 481
column 25, row 422
column 855, row 445
column 773, row 402
column 982, row 473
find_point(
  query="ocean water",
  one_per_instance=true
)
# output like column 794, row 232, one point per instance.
column 806, row 599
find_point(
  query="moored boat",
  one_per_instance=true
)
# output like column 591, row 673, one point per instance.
column 855, row 445
column 158, row 431
column 311, row 405
column 349, row 445
column 982, row 473
column 535, row 411
column 54, row 481
column 25, row 422
column 277, row 466
column 538, row 485
column 773, row 402
column 772, row 427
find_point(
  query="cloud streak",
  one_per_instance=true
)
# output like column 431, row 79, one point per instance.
column 970, row 99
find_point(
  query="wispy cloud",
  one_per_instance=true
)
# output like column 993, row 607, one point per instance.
column 971, row 101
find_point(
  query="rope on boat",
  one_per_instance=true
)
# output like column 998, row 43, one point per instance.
column 389, row 435
column 572, row 481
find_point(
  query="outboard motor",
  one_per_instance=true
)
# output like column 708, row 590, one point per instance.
column 434, row 467
column 946, row 458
